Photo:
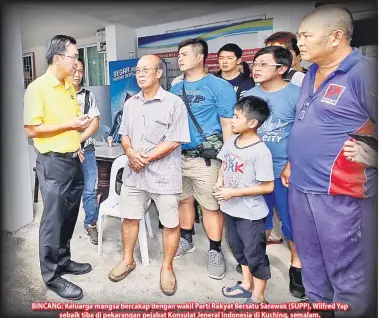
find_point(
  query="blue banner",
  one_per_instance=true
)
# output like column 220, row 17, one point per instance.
column 123, row 85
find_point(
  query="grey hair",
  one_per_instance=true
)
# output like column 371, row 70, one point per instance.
column 160, row 65
column 57, row 45
column 343, row 19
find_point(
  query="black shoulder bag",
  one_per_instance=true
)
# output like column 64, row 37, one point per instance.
column 211, row 145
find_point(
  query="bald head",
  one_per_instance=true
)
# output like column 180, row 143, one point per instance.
column 152, row 61
column 149, row 70
column 332, row 18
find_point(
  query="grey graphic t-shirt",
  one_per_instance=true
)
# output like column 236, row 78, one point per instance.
column 244, row 168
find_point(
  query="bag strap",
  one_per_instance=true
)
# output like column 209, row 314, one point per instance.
column 201, row 132
column 86, row 108
column 86, row 102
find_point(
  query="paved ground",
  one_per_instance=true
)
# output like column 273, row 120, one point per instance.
column 22, row 283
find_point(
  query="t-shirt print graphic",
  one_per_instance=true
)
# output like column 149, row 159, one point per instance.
column 233, row 167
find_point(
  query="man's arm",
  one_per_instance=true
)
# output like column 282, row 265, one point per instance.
column 126, row 144
column 264, row 187
column 45, row 131
column 162, row 150
column 91, row 130
column 227, row 130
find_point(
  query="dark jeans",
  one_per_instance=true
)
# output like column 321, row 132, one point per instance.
column 247, row 240
column 61, row 181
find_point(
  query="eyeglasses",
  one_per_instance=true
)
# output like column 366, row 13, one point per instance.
column 145, row 70
column 75, row 57
column 305, row 107
column 264, row 65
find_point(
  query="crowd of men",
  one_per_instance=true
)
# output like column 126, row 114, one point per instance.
column 240, row 146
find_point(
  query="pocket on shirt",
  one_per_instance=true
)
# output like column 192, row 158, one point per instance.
column 156, row 132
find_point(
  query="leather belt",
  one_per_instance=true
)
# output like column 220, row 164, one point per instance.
column 62, row 155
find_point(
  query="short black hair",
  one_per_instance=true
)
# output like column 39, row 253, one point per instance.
column 280, row 55
column 197, row 44
column 57, row 45
column 253, row 107
column 231, row 47
column 288, row 39
column 81, row 60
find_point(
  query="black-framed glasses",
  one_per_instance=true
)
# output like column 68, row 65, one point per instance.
column 75, row 57
column 145, row 70
column 306, row 105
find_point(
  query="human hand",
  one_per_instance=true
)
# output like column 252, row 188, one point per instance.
column 217, row 185
column 285, row 175
column 357, row 151
column 224, row 194
column 81, row 155
column 81, row 123
column 137, row 160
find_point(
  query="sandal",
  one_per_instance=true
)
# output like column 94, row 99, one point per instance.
column 251, row 301
column 244, row 293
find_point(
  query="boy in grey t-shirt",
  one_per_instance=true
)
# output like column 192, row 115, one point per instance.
column 245, row 175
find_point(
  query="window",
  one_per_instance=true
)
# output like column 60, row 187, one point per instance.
column 96, row 65
column 29, row 68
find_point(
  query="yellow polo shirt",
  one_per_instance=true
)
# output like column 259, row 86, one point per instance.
column 48, row 102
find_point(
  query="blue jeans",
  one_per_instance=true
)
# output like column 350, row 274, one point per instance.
column 90, row 205
column 279, row 199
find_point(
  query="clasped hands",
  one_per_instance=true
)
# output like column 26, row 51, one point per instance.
column 137, row 160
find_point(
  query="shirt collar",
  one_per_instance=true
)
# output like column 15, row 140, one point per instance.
column 160, row 95
column 55, row 82
column 345, row 65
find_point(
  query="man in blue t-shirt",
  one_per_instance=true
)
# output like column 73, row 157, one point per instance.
column 270, row 66
column 229, row 56
column 211, row 101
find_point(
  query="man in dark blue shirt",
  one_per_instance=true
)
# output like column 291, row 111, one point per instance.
column 229, row 56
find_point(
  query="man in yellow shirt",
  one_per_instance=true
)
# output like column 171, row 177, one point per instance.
column 52, row 118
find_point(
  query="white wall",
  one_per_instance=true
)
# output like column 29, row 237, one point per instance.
column 287, row 17
column 17, row 197
column 120, row 41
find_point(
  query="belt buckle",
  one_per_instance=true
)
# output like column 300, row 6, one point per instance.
column 74, row 155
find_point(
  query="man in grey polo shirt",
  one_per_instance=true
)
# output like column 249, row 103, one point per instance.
column 153, row 126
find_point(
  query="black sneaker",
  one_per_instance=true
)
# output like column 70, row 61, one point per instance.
column 296, row 283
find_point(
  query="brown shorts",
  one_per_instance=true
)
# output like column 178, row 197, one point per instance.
column 198, row 181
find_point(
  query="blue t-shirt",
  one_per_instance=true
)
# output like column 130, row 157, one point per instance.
column 276, row 129
column 210, row 98
column 345, row 102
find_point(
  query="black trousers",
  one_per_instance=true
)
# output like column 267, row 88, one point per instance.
column 247, row 240
column 61, row 181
